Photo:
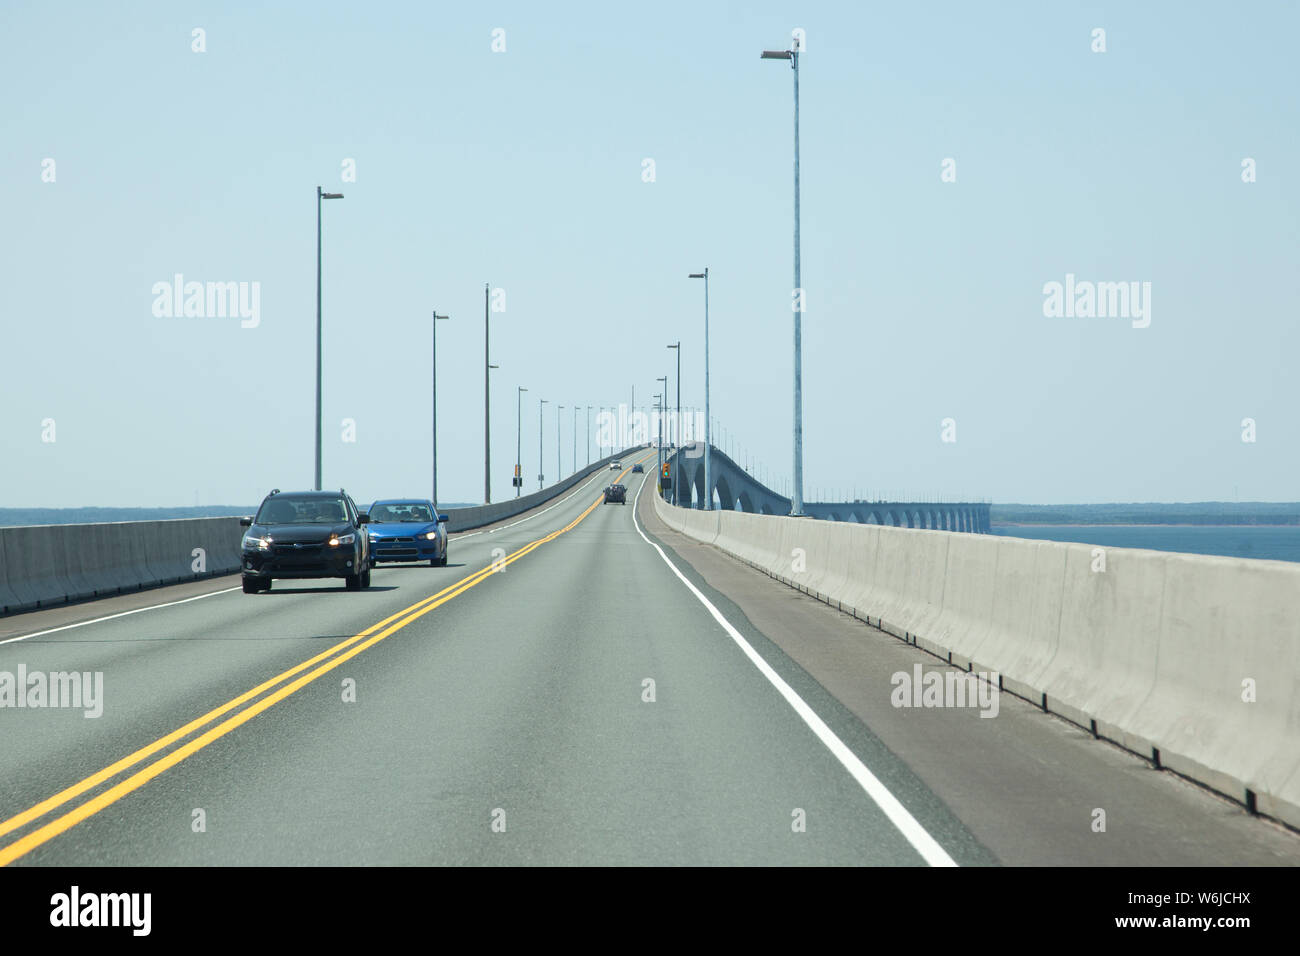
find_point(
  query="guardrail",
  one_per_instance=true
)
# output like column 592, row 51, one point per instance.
column 1192, row 661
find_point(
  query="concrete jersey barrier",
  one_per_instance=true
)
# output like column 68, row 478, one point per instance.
column 1192, row 661
column 46, row 565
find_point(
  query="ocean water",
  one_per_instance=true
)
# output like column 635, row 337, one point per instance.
column 1235, row 541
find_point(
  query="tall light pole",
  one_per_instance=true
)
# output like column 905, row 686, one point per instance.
column 487, row 456
column 436, row 319
column 796, row 499
column 708, row 471
column 559, row 469
column 487, row 406
column 659, row 449
column 541, row 472
column 575, row 440
column 675, row 436
column 319, row 196
column 588, row 435
column 519, row 439
column 663, row 402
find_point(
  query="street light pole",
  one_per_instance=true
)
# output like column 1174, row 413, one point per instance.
column 487, row 406
column 519, row 439
column 559, row 469
column 575, row 440
column 541, row 468
column 659, row 451
column 436, row 319
column 675, row 436
column 320, row 195
column 708, row 471
column 588, row 435
column 663, row 401
column 796, row 499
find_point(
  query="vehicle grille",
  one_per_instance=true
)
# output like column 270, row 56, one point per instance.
column 308, row 557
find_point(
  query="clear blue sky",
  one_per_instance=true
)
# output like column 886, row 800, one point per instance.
column 524, row 169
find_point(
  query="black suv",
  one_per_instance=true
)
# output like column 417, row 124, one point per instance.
column 305, row 534
column 616, row 493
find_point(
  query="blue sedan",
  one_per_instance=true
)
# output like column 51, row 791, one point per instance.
column 407, row 529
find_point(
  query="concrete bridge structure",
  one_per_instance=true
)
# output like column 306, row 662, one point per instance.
column 735, row 489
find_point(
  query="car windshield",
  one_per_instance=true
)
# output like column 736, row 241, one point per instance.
column 403, row 513
column 290, row 509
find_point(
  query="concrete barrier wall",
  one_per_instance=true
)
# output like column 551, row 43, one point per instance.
column 45, row 565
column 1190, row 660
column 465, row 519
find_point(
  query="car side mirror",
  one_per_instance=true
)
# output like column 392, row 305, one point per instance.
column 363, row 518
column 443, row 519
column 245, row 522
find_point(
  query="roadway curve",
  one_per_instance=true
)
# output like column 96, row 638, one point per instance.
column 517, row 697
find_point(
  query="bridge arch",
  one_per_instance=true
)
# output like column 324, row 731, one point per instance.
column 726, row 499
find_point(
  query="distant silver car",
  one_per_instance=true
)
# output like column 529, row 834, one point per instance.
column 615, row 466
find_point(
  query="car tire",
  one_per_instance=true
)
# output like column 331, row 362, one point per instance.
column 442, row 562
column 365, row 577
column 353, row 582
column 251, row 586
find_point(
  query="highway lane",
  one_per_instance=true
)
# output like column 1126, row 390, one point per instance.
column 519, row 701
column 1027, row 784
column 164, row 667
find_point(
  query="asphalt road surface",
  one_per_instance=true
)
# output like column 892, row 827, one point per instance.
column 576, row 687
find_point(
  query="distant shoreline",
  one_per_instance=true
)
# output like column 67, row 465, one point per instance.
column 1132, row 524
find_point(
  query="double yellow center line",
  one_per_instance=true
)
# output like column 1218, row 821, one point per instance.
column 298, row 677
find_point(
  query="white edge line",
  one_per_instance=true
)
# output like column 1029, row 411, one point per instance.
column 99, row 620
column 924, row 844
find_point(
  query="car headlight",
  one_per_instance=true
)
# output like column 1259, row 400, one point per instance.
column 432, row 535
column 348, row 538
column 374, row 538
column 253, row 543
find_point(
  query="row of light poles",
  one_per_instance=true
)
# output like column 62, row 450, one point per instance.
column 796, row 497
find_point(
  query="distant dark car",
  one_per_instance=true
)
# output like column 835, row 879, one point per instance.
column 408, row 529
column 305, row 534
column 637, row 469
column 616, row 493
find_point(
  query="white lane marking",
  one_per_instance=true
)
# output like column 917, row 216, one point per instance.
column 462, row 537
column 921, row 841
column 100, row 620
